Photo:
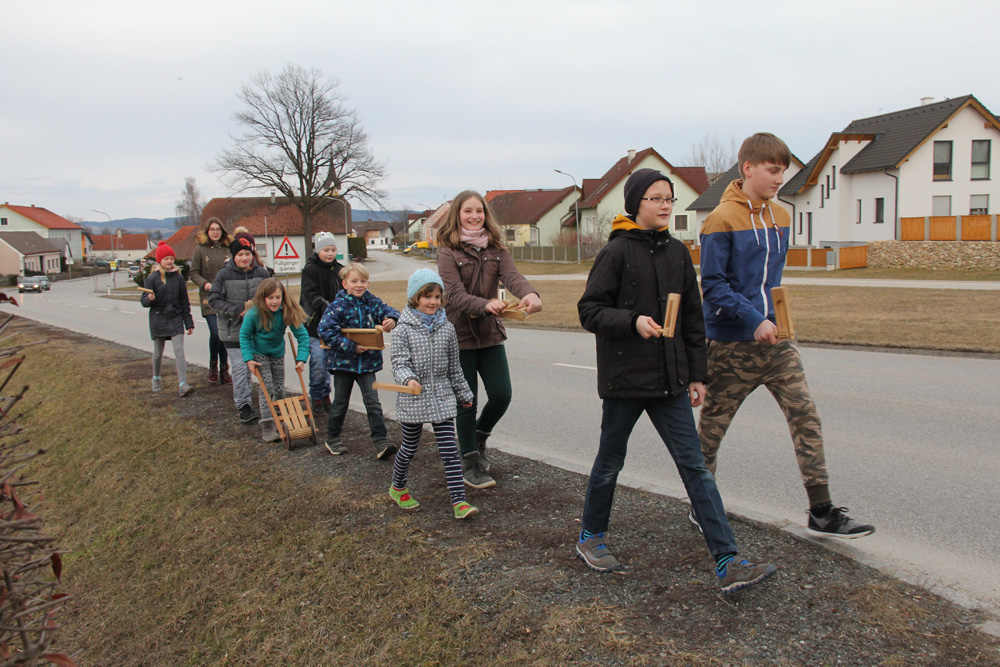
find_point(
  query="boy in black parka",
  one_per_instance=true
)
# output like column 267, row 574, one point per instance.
column 320, row 284
column 641, row 370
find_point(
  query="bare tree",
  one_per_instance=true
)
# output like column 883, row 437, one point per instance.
column 714, row 155
column 301, row 140
column 188, row 208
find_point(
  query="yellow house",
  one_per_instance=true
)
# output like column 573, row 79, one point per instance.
column 531, row 217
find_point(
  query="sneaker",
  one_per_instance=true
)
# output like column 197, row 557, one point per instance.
column 157, row 385
column 838, row 524
column 594, row 552
column 693, row 520
column 404, row 499
column 465, row 511
column 224, row 376
column 213, row 372
column 319, row 408
column 335, row 447
column 268, row 431
column 742, row 574
column 384, row 450
column 185, row 389
column 472, row 471
column 327, row 404
column 481, row 437
column 247, row 415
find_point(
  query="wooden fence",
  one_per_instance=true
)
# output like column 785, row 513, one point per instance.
column 948, row 228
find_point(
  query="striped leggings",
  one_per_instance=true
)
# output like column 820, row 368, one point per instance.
column 444, row 433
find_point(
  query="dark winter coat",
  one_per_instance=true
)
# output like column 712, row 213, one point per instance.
column 632, row 276
column 349, row 312
column 320, row 284
column 170, row 311
column 429, row 356
column 231, row 289
column 209, row 257
column 471, row 280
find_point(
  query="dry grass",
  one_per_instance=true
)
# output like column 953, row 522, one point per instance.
column 897, row 274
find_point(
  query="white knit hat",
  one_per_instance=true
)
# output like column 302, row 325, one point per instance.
column 324, row 239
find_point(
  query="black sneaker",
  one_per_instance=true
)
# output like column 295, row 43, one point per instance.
column 319, row 408
column 335, row 447
column 742, row 574
column 837, row 524
column 247, row 415
column 384, row 450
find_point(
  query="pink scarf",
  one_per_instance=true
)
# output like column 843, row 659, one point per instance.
column 477, row 239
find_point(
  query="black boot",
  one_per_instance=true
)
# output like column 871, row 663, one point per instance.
column 472, row 471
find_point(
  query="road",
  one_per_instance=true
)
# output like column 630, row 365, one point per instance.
column 912, row 444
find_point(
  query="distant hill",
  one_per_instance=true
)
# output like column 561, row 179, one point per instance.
column 135, row 225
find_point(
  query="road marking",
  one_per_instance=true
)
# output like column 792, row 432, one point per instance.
column 586, row 368
column 105, row 309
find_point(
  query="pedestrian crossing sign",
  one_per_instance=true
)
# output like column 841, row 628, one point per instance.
column 286, row 250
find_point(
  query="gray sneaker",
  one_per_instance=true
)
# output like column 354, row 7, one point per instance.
column 473, row 473
column 268, row 431
column 185, row 389
column 693, row 520
column 335, row 447
column 594, row 552
column 157, row 385
column 742, row 574
column 838, row 524
column 481, row 437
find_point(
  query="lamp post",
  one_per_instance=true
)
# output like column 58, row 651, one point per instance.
column 576, row 214
column 114, row 253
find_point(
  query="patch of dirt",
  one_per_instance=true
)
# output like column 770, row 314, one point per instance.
column 665, row 609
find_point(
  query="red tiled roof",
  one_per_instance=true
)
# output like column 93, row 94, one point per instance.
column 111, row 242
column 513, row 207
column 594, row 193
column 182, row 241
column 282, row 218
column 492, row 194
column 695, row 176
column 44, row 217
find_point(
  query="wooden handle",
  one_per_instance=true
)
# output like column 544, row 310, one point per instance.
column 782, row 312
column 401, row 388
column 670, row 317
column 147, row 291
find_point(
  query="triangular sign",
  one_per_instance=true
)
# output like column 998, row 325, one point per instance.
column 286, row 250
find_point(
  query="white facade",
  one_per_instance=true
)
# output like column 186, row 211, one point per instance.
column 15, row 222
column 268, row 246
column 549, row 226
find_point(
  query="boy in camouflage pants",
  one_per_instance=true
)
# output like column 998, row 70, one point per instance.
column 743, row 246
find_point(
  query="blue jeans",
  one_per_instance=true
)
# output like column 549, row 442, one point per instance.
column 343, row 383
column 216, row 353
column 673, row 420
column 319, row 377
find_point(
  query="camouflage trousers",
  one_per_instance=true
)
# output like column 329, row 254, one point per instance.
column 735, row 369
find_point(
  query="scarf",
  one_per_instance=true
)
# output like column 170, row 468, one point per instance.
column 430, row 321
column 477, row 239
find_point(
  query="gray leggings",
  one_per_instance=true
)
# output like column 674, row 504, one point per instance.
column 178, row 343
column 272, row 371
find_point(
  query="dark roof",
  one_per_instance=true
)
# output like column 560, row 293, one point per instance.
column 369, row 226
column 282, row 218
column 111, row 242
column 28, row 243
column 711, row 197
column 513, row 207
column 798, row 181
column 182, row 241
column 44, row 217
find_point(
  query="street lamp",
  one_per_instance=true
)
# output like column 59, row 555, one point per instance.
column 114, row 252
column 576, row 214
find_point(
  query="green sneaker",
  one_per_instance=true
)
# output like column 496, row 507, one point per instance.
column 464, row 510
column 403, row 498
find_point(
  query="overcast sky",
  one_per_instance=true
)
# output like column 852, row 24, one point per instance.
column 110, row 105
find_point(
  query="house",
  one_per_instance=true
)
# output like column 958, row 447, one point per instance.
column 183, row 241
column 28, row 252
column 930, row 161
column 710, row 198
column 429, row 230
column 272, row 224
column 46, row 224
column 531, row 217
column 604, row 198
column 378, row 234
column 122, row 247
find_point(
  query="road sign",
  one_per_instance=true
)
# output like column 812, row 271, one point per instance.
column 286, row 251
column 286, row 266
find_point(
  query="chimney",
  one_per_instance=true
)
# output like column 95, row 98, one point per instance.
column 924, row 101
column 631, row 154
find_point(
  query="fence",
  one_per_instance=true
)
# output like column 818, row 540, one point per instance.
column 543, row 253
column 949, row 228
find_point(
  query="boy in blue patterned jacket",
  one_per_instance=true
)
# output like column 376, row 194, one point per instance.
column 355, row 307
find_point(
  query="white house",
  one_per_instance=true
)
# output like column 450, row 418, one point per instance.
column 531, row 217
column 931, row 160
column 46, row 224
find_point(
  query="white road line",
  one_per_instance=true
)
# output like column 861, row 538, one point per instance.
column 104, row 309
column 586, row 368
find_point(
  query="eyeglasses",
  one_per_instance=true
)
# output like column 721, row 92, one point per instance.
column 656, row 201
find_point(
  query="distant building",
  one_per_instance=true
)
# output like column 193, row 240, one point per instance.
column 531, row 217
column 182, row 241
column 123, row 247
column 46, row 224
column 22, row 252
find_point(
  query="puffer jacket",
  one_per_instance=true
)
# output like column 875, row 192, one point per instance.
column 632, row 276
column 231, row 289
column 208, row 259
column 255, row 339
column 320, row 284
column 349, row 312
column 743, row 249
column 471, row 280
column 429, row 356
column 170, row 311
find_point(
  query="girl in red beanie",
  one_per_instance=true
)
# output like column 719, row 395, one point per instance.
column 169, row 315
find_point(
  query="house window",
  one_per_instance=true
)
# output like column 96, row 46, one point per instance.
column 680, row 223
column 979, row 205
column 3, row 221
column 828, row 187
column 879, row 209
column 942, row 161
column 981, row 160
column 822, row 195
column 941, row 205
column 800, row 223
column 511, row 235
column 833, row 172
column 857, row 220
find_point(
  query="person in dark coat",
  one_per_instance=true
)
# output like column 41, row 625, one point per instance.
column 640, row 370
column 169, row 315
column 210, row 254
column 320, row 284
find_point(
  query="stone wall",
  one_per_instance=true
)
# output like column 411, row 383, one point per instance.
column 963, row 255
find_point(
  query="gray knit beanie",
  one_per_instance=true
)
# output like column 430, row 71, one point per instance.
column 324, row 239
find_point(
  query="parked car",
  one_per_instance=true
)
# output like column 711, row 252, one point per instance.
column 134, row 271
column 44, row 280
column 419, row 244
column 29, row 283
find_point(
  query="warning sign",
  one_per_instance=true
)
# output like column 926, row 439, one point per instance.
column 286, row 250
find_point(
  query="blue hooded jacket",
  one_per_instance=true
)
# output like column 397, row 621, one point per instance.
column 349, row 312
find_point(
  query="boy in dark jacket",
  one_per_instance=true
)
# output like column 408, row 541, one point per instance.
column 640, row 370
column 355, row 308
column 320, row 284
column 743, row 246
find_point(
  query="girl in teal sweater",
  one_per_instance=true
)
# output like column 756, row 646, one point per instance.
column 262, row 343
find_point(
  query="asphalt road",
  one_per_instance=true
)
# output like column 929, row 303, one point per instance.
column 912, row 440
